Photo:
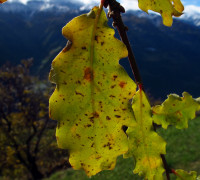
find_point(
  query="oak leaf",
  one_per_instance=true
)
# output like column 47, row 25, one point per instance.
column 181, row 174
column 176, row 111
column 91, row 99
column 167, row 8
column 145, row 145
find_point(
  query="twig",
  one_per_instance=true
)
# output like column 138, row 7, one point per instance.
column 167, row 169
column 115, row 10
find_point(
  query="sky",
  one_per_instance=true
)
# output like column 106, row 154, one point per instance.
column 190, row 5
column 185, row 2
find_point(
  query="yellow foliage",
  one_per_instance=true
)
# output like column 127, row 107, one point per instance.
column 167, row 8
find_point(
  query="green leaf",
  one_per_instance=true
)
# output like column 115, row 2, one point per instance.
column 167, row 8
column 91, row 99
column 183, row 175
column 144, row 144
column 176, row 111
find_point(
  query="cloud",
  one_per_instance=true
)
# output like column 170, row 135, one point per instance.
column 192, row 9
column 130, row 4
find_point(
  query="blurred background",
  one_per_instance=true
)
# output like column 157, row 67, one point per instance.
column 30, row 38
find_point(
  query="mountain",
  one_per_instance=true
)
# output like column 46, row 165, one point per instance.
column 168, row 58
column 192, row 15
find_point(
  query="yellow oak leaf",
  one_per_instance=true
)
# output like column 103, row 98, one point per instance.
column 167, row 8
column 145, row 145
column 91, row 99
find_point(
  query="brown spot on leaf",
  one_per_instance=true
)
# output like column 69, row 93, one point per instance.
column 78, row 82
column 112, row 86
column 78, row 135
column 91, row 119
column 117, row 116
column 108, row 118
column 96, row 114
column 91, row 138
column 114, row 77
column 102, row 43
column 78, row 93
column 88, row 74
column 88, row 125
column 108, row 145
column 111, row 96
column 179, row 113
column 62, row 71
column 98, row 157
column 64, row 83
column 99, row 83
column 122, row 84
column 96, row 39
column 67, row 47
column 84, row 48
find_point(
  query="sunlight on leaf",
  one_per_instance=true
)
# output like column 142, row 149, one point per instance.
column 167, row 8
column 145, row 145
column 91, row 99
column 176, row 111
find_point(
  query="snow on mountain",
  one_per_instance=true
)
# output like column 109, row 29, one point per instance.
column 191, row 14
column 39, row 5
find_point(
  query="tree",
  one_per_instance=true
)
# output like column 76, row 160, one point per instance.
column 27, row 141
column 91, row 99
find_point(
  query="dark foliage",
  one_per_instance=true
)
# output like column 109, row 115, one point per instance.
column 27, row 142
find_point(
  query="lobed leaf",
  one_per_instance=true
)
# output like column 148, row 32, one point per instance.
column 167, row 8
column 91, row 99
column 176, row 111
column 144, row 144
column 181, row 174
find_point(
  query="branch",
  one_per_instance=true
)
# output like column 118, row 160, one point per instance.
column 40, row 136
column 16, row 146
column 6, row 119
column 115, row 10
column 167, row 169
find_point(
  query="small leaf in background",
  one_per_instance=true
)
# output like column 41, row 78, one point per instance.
column 2, row 1
column 176, row 111
column 167, row 8
column 183, row 175
column 91, row 100
column 144, row 143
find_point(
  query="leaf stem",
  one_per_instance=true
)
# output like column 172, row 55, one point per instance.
column 178, row 175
